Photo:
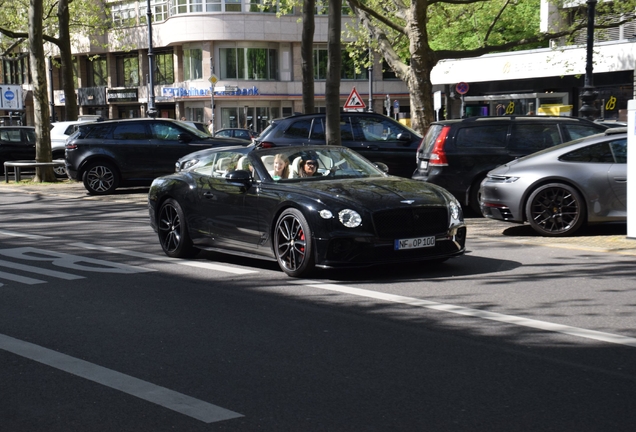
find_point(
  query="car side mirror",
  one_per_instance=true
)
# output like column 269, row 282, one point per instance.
column 241, row 178
column 184, row 137
column 382, row 167
column 405, row 137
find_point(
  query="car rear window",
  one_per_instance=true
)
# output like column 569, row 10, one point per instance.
column 95, row 131
column 482, row 136
column 299, row 129
column 580, row 131
column 607, row 152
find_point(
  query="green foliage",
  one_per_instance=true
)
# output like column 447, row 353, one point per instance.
column 87, row 18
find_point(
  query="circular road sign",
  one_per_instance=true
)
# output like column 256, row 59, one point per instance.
column 462, row 88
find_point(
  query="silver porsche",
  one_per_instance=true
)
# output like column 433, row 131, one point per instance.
column 560, row 189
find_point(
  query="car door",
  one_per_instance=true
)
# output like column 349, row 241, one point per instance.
column 227, row 210
column 170, row 142
column 132, row 150
column 16, row 144
column 617, row 174
column 381, row 139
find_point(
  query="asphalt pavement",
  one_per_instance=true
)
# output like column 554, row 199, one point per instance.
column 611, row 238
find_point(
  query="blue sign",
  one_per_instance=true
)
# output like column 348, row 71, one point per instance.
column 9, row 95
column 396, row 104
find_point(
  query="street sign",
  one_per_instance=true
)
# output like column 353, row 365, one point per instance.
column 213, row 79
column 462, row 88
column 11, row 97
column 354, row 101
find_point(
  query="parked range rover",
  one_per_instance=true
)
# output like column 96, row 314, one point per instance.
column 457, row 154
column 375, row 136
column 132, row 152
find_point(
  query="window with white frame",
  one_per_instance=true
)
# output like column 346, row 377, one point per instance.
column 249, row 63
column 213, row 5
column 192, row 64
column 158, row 8
column 124, row 15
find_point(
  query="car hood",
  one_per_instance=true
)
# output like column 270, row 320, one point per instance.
column 377, row 193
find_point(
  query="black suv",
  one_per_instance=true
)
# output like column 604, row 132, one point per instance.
column 132, row 152
column 375, row 136
column 457, row 154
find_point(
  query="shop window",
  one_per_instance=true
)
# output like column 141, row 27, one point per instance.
column 164, row 68
column 192, row 64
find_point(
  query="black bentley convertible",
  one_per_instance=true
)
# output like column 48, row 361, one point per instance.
column 346, row 213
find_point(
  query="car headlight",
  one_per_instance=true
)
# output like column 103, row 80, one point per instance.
column 455, row 210
column 502, row 178
column 325, row 214
column 350, row 218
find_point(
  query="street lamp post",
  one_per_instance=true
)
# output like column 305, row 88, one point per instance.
column 588, row 110
column 152, row 110
column 370, row 108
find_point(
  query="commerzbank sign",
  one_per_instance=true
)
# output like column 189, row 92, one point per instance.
column 180, row 92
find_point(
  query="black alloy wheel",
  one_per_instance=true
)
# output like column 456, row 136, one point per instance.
column 101, row 178
column 292, row 243
column 173, row 231
column 556, row 210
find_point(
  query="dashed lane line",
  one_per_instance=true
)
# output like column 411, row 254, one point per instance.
column 476, row 313
column 172, row 400
column 198, row 264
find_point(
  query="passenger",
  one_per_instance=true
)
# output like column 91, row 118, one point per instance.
column 308, row 168
column 281, row 167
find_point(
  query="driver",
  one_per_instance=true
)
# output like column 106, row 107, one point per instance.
column 309, row 168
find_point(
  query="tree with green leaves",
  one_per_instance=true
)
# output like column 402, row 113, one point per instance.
column 40, row 99
column 414, row 35
column 57, row 27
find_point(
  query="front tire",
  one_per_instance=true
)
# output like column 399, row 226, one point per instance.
column 556, row 210
column 292, row 243
column 173, row 231
column 101, row 178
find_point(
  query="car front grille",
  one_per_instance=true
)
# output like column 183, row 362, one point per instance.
column 410, row 222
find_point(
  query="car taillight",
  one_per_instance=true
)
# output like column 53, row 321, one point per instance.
column 438, row 156
column 70, row 146
column 266, row 144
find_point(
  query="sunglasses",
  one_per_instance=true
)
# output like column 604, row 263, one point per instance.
column 310, row 163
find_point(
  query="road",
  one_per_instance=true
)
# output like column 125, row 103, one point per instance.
column 99, row 331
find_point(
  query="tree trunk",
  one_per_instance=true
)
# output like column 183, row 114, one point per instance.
column 334, row 63
column 40, row 98
column 72, row 110
column 418, row 78
column 307, row 56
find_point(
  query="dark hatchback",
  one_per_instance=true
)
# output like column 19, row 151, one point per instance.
column 457, row 154
column 132, row 152
column 16, row 143
column 375, row 136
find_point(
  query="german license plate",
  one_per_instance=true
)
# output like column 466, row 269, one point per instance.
column 414, row 243
column 423, row 164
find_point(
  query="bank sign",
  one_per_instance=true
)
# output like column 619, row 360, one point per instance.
column 11, row 97
column 179, row 92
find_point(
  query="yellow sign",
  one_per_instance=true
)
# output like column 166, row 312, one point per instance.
column 213, row 79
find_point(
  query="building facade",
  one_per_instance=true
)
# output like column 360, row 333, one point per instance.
column 238, row 62
column 224, row 59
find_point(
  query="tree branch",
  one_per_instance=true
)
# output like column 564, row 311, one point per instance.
column 356, row 4
column 22, row 35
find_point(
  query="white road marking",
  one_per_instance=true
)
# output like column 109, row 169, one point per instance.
column 21, row 279
column 19, row 234
column 38, row 270
column 476, row 313
column 162, row 396
column 198, row 264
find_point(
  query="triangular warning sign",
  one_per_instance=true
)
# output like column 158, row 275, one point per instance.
column 354, row 101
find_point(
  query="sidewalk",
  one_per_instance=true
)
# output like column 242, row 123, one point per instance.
column 597, row 238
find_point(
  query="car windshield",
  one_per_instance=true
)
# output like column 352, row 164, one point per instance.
column 315, row 163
